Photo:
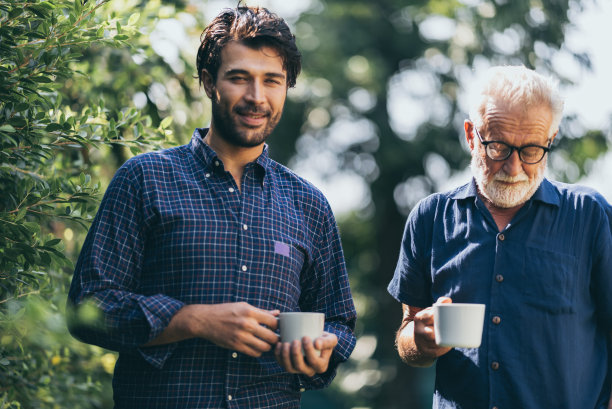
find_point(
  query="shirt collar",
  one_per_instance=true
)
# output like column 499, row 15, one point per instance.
column 209, row 158
column 546, row 192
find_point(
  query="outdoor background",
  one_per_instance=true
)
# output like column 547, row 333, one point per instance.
column 375, row 121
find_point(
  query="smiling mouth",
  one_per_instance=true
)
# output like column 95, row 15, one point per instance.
column 251, row 118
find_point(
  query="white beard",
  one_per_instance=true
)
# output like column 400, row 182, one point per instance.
column 501, row 194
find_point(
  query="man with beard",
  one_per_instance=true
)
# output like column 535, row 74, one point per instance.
column 196, row 249
column 537, row 253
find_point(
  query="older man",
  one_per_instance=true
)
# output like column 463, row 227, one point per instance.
column 538, row 253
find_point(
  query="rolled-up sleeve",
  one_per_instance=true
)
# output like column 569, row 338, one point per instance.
column 107, row 276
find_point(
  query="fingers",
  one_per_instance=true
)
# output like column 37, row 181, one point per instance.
column 240, row 327
column 314, row 359
column 444, row 300
column 327, row 341
column 424, row 335
column 289, row 356
column 267, row 318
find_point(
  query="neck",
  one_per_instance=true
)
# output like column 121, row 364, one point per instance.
column 501, row 215
column 234, row 158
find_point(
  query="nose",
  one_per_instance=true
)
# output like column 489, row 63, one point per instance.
column 513, row 165
column 256, row 93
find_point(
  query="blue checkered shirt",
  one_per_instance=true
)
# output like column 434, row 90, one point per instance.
column 174, row 229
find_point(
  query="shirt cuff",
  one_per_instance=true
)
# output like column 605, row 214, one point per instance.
column 158, row 311
column 342, row 351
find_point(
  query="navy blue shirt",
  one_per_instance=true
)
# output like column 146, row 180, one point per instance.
column 546, row 280
column 173, row 229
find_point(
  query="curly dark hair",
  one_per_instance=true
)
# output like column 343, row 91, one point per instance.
column 254, row 27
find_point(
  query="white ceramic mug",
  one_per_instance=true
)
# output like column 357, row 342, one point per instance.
column 458, row 324
column 296, row 325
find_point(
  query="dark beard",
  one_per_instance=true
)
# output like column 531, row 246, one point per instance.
column 225, row 125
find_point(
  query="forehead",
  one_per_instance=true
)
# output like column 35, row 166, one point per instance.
column 504, row 120
column 237, row 56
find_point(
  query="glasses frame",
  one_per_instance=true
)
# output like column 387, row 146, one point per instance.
column 512, row 148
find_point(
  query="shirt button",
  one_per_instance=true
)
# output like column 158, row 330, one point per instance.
column 496, row 320
column 245, row 227
column 217, row 164
column 231, row 190
column 501, row 237
column 302, row 389
column 207, row 175
column 495, row 365
column 229, row 397
column 499, row 278
column 244, row 268
column 494, row 407
column 234, row 354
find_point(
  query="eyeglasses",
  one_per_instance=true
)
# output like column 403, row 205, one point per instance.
column 499, row 151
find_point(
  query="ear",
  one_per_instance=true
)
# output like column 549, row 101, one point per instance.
column 468, row 127
column 208, row 82
column 552, row 138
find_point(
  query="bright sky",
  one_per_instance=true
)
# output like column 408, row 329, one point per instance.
column 590, row 98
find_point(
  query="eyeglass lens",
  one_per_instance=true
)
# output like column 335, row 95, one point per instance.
column 528, row 154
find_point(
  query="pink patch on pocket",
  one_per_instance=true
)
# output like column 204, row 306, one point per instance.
column 281, row 248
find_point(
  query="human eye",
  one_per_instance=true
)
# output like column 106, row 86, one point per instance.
column 532, row 152
column 238, row 78
column 273, row 81
column 498, row 150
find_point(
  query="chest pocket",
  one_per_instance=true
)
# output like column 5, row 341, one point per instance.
column 283, row 263
column 549, row 280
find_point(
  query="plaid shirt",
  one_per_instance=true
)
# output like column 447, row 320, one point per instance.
column 173, row 229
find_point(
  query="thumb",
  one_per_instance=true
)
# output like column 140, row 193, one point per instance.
column 444, row 300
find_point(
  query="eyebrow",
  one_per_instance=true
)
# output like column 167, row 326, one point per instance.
column 245, row 72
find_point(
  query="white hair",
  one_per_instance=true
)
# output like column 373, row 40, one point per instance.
column 515, row 86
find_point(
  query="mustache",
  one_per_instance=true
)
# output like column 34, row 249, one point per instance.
column 502, row 176
column 251, row 110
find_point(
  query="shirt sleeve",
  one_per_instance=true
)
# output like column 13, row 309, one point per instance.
column 602, row 265
column 411, row 282
column 107, row 309
column 325, row 288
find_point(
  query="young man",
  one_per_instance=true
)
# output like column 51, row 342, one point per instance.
column 195, row 250
column 538, row 254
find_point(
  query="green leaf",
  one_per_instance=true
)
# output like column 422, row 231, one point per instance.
column 52, row 242
column 18, row 121
column 53, row 127
column 22, row 107
column 166, row 122
column 7, row 128
column 133, row 19
column 21, row 213
column 42, row 79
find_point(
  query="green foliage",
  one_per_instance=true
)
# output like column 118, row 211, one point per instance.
column 46, row 138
